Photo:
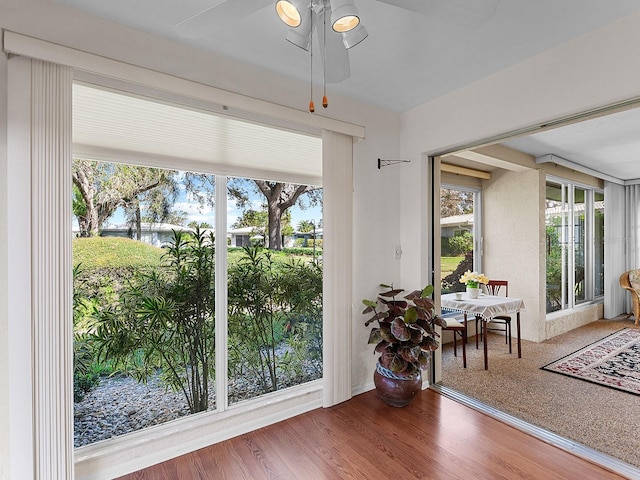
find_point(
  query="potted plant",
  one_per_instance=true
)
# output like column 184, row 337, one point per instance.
column 473, row 280
column 404, row 336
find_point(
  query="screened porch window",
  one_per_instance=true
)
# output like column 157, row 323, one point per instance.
column 574, row 245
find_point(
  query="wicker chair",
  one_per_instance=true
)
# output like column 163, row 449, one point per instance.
column 629, row 280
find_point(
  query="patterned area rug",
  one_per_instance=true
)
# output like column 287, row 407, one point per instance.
column 613, row 361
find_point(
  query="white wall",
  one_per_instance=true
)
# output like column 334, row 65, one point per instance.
column 376, row 232
column 4, row 276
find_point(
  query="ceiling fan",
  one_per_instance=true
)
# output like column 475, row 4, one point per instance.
column 306, row 16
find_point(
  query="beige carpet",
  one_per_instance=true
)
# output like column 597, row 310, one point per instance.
column 599, row 417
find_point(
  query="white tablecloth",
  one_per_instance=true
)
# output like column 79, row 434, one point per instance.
column 485, row 306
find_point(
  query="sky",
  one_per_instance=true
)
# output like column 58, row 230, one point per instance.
column 201, row 214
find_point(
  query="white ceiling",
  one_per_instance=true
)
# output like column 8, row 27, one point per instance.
column 409, row 59
column 609, row 145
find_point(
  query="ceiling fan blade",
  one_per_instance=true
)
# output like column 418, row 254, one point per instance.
column 221, row 14
column 469, row 13
column 336, row 60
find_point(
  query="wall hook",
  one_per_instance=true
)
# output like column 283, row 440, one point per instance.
column 386, row 163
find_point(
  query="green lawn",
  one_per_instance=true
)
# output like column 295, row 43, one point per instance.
column 114, row 252
column 117, row 252
column 449, row 264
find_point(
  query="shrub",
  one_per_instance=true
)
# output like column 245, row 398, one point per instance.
column 456, row 245
column 166, row 320
column 162, row 320
column 83, row 384
column 275, row 317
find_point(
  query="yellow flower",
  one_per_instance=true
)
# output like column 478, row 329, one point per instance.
column 473, row 279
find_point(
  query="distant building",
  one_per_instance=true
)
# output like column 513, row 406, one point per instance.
column 156, row 234
column 456, row 225
column 243, row 236
column 306, row 236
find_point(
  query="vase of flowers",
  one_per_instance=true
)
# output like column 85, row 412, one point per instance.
column 473, row 280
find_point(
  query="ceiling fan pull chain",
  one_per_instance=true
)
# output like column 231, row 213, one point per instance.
column 312, row 108
column 325, row 102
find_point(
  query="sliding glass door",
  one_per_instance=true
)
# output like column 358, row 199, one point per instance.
column 574, row 244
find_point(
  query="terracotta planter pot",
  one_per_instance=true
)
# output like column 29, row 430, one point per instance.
column 396, row 389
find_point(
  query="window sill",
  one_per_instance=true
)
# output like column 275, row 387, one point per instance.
column 131, row 452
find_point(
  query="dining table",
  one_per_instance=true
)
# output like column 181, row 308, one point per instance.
column 486, row 307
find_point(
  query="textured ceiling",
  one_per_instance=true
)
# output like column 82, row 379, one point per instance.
column 408, row 58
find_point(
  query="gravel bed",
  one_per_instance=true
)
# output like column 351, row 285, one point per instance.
column 121, row 405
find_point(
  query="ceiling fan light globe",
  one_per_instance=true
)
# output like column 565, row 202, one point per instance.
column 354, row 37
column 288, row 13
column 346, row 23
column 344, row 15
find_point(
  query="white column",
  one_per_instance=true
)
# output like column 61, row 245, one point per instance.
column 52, row 288
column 222, row 328
column 632, row 225
column 337, row 184
column 614, row 250
column 18, row 271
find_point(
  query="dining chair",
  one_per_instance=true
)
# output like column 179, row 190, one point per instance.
column 495, row 287
column 457, row 328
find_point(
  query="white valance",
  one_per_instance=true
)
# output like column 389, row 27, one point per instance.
column 19, row 44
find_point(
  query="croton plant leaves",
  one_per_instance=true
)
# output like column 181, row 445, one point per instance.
column 377, row 316
column 405, row 335
column 374, row 336
column 397, row 364
column 391, row 293
column 426, row 326
column 385, row 333
column 380, row 347
column 423, row 361
column 416, row 334
column 427, row 291
column 439, row 321
column 424, row 303
column 411, row 315
column 429, row 344
column 410, row 353
column 399, row 330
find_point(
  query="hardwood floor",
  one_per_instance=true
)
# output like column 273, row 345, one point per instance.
column 432, row 438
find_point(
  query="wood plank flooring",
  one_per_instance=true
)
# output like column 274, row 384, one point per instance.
column 432, row 438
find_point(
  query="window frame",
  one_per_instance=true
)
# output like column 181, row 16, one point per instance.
column 133, row 452
column 569, row 242
column 476, row 231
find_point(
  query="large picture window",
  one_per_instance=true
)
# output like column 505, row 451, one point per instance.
column 574, row 244
column 151, row 246
column 299, row 149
